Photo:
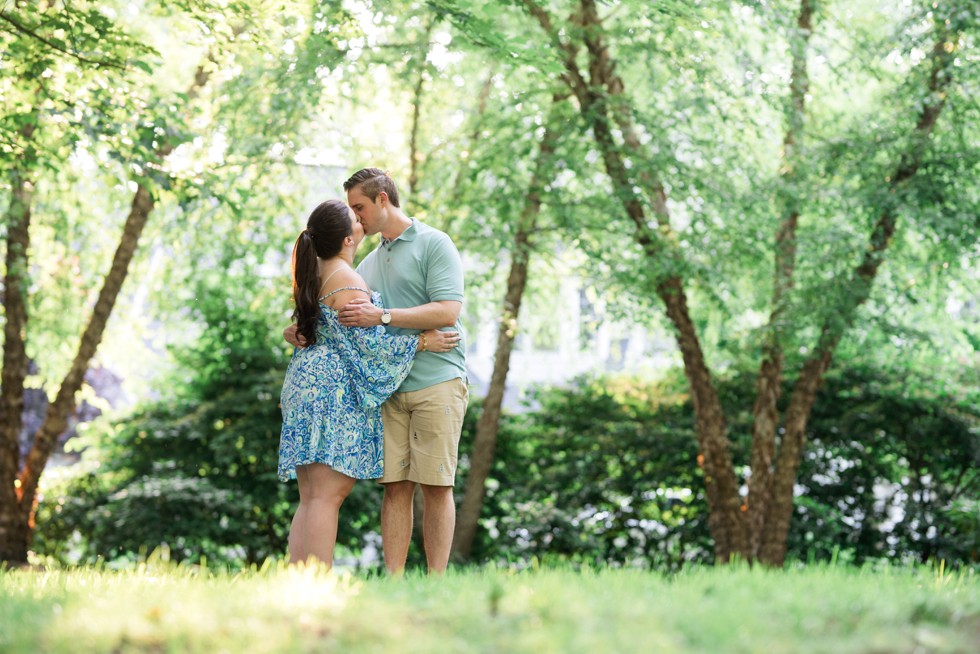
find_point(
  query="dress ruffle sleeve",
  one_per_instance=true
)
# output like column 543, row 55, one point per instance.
column 377, row 361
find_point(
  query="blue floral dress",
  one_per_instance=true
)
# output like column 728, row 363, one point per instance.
column 332, row 395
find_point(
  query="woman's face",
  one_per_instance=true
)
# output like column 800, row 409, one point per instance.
column 357, row 229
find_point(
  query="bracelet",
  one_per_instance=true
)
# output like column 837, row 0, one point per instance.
column 424, row 344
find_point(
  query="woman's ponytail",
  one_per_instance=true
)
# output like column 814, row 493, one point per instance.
column 327, row 227
column 306, row 284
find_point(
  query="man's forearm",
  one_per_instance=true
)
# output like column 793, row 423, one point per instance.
column 433, row 315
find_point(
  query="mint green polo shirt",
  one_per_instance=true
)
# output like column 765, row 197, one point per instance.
column 420, row 266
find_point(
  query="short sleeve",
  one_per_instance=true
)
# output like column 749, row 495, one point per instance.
column 378, row 362
column 444, row 271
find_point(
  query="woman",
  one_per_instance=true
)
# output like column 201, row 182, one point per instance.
column 334, row 387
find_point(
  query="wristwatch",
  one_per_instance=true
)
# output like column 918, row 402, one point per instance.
column 386, row 317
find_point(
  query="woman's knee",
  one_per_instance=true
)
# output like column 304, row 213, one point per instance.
column 325, row 484
column 333, row 487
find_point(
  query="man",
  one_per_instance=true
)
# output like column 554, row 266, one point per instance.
column 419, row 274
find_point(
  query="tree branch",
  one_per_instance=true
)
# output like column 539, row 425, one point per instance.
column 573, row 76
column 773, row 548
column 765, row 412
column 56, row 416
column 19, row 27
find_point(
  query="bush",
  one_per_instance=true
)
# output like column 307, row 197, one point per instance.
column 604, row 471
column 607, row 471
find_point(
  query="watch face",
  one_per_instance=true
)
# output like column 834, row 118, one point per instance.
column 385, row 318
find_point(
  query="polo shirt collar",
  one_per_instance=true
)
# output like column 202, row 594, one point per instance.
column 410, row 232
column 408, row 235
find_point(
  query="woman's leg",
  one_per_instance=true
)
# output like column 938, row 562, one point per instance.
column 296, row 551
column 325, row 490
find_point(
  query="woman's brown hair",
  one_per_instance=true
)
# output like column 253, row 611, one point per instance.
column 323, row 238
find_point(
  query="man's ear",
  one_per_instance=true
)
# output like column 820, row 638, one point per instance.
column 382, row 198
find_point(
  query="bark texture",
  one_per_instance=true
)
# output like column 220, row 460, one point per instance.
column 765, row 412
column 604, row 104
column 14, row 533
column 17, row 513
column 780, row 510
column 485, row 441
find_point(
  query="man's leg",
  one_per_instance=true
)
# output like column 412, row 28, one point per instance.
column 438, row 524
column 437, row 418
column 396, row 508
column 396, row 524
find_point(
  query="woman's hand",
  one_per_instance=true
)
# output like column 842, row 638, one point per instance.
column 438, row 341
column 292, row 337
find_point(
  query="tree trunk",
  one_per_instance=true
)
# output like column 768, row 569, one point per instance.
column 485, row 442
column 13, row 531
column 56, row 417
column 18, row 517
column 765, row 412
column 725, row 521
column 780, row 510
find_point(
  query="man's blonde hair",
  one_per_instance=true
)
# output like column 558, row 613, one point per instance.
column 373, row 181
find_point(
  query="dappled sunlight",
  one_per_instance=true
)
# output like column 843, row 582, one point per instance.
column 260, row 609
column 306, row 587
column 701, row 610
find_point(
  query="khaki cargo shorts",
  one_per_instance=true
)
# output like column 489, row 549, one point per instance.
column 422, row 431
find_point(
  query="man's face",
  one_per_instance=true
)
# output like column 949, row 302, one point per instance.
column 368, row 212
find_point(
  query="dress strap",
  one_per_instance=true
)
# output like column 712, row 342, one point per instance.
column 336, row 270
column 345, row 288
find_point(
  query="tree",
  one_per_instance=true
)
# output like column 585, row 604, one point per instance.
column 160, row 125
column 484, row 444
column 604, row 101
column 645, row 146
column 48, row 61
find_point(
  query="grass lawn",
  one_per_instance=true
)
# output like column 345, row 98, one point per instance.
column 166, row 608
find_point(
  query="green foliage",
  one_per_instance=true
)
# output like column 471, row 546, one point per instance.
column 600, row 472
column 196, row 471
column 893, row 470
column 191, row 471
column 606, row 471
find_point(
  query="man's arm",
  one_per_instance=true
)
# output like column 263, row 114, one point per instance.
column 361, row 313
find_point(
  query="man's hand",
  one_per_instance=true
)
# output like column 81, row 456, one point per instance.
column 292, row 337
column 360, row 312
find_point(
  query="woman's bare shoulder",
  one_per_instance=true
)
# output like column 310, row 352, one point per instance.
column 354, row 286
